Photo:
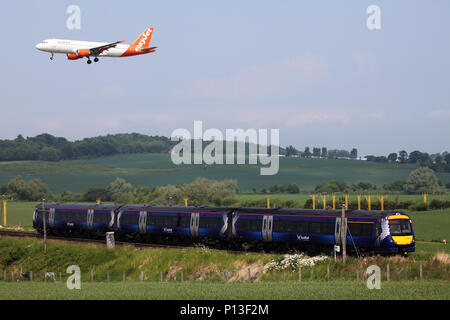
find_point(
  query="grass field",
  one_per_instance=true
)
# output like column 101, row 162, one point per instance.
column 286, row 290
column 158, row 169
column 204, row 274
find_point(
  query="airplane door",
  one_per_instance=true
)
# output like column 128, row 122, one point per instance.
column 267, row 226
column 195, row 217
column 143, row 222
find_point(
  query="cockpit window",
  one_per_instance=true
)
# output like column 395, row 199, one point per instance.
column 400, row 227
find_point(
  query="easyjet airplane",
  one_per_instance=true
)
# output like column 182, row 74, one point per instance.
column 80, row 49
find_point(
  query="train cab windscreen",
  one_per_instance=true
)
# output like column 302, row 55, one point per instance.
column 400, row 227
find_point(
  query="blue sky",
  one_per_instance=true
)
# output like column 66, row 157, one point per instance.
column 309, row 68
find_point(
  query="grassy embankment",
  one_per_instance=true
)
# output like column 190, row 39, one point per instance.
column 204, row 274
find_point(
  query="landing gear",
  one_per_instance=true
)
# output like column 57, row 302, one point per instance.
column 96, row 59
column 52, row 57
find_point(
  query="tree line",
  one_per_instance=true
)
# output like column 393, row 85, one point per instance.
column 322, row 152
column 49, row 148
column 439, row 162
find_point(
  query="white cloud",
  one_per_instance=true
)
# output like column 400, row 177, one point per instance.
column 279, row 79
column 439, row 113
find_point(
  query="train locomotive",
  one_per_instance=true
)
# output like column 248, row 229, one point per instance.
column 384, row 232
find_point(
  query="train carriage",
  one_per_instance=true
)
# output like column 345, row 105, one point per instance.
column 68, row 218
column 155, row 222
column 277, row 229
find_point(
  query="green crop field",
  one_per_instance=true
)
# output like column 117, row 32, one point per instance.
column 157, row 169
column 286, row 290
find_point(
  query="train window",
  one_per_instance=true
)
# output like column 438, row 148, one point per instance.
column 360, row 229
column 184, row 222
column 102, row 217
column 327, row 227
column 129, row 218
column 70, row 216
column 214, row 223
column 249, row 224
column 400, row 227
column 155, row 220
column 314, row 227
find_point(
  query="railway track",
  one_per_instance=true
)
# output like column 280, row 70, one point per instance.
column 32, row 234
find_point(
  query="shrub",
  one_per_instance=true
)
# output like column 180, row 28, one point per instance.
column 419, row 207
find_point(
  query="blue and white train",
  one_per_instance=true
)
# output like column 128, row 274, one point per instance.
column 385, row 232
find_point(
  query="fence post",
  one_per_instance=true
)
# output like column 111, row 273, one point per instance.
column 31, row 275
column 249, row 277
column 300, row 274
column 92, row 275
column 226, row 275
column 388, row 273
column 160, row 276
column 328, row 272
column 311, row 274
column 273, row 274
column 107, row 275
column 60, row 277
column 124, row 276
column 357, row 273
column 181, row 276
column 421, row 271
column 142, row 275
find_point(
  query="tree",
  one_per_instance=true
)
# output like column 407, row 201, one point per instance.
column 49, row 154
column 354, row 153
column 291, row 151
column 397, row 185
column 422, row 180
column 403, row 156
column 33, row 190
column 307, row 152
column 324, row 153
column 414, row 156
column 447, row 158
column 316, row 152
column 120, row 190
column 97, row 193
column 392, row 157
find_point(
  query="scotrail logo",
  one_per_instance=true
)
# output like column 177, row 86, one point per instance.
column 256, row 141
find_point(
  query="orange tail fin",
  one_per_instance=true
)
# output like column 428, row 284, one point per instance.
column 144, row 40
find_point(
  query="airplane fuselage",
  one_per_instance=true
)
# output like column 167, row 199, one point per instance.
column 72, row 46
column 75, row 49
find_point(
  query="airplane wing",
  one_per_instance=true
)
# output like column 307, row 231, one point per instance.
column 97, row 50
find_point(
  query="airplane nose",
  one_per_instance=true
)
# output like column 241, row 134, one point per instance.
column 39, row 46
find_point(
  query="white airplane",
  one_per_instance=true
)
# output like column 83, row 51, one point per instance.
column 80, row 49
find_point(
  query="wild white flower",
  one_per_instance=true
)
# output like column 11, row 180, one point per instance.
column 293, row 261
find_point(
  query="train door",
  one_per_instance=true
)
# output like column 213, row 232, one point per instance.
column 195, row 217
column 337, row 232
column 90, row 219
column 230, row 225
column 143, row 222
column 267, row 226
column 51, row 218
